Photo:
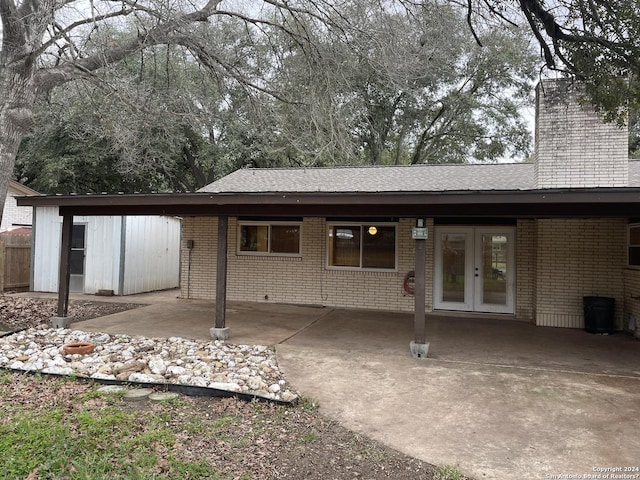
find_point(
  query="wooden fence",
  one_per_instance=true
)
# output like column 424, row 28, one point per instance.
column 15, row 262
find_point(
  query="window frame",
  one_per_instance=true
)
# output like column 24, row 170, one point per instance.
column 630, row 245
column 363, row 228
column 268, row 224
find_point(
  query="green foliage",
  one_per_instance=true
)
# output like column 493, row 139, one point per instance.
column 447, row 472
column 109, row 443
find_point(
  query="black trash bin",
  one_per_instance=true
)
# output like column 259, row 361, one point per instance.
column 599, row 314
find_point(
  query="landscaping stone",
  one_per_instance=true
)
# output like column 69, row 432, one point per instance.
column 137, row 394
column 163, row 396
column 250, row 369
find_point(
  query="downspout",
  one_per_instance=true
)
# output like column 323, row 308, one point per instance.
column 123, row 247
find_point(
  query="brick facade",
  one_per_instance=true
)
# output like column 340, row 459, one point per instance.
column 304, row 279
column 557, row 261
column 574, row 148
column 576, row 258
column 307, row 280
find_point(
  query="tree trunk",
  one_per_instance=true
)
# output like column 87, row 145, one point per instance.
column 16, row 115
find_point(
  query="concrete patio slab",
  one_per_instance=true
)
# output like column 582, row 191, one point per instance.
column 498, row 398
column 248, row 323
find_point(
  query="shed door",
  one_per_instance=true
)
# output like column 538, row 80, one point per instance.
column 78, row 254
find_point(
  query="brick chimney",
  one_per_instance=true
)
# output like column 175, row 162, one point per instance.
column 574, row 147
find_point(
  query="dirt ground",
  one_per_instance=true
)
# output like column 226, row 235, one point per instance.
column 23, row 312
column 263, row 441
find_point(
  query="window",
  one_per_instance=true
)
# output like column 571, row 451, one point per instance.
column 633, row 241
column 366, row 246
column 269, row 238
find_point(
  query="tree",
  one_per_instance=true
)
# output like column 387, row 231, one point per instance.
column 44, row 44
column 595, row 41
column 408, row 86
column 48, row 43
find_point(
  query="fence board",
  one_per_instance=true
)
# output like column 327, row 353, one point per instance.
column 15, row 261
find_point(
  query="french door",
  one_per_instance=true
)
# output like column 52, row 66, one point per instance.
column 474, row 269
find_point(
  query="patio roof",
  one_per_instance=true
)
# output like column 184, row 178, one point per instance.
column 586, row 202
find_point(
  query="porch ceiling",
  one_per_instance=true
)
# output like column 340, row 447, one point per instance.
column 592, row 202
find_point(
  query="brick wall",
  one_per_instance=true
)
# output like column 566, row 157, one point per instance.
column 574, row 147
column 576, row 258
column 525, row 269
column 632, row 298
column 13, row 214
column 304, row 279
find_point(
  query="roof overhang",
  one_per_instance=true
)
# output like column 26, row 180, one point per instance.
column 588, row 202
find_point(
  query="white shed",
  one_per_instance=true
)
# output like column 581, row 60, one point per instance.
column 125, row 254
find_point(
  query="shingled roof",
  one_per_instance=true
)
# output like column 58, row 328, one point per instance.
column 410, row 178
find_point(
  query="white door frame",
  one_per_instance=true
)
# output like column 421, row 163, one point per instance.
column 473, row 274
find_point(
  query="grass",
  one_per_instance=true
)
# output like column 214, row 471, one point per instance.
column 63, row 429
column 88, row 443
column 447, row 472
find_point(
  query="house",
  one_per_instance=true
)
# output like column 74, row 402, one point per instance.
column 14, row 216
column 122, row 255
column 522, row 241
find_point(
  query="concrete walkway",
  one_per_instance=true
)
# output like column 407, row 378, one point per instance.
column 498, row 398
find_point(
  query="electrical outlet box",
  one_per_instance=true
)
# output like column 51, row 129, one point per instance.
column 419, row 233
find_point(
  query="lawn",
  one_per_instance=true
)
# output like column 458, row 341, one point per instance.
column 61, row 428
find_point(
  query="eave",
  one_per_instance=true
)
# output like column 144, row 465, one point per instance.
column 587, row 202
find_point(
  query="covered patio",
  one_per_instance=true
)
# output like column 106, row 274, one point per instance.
column 500, row 399
column 474, row 207
column 482, row 340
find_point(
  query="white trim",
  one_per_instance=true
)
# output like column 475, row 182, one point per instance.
column 473, row 288
column 629, row 227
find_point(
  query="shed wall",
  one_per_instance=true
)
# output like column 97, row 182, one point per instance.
column 152, row 254
column 102, row 244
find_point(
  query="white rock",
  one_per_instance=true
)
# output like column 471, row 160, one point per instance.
column 175, row 370
column 101, row 338
column 198, row 382
column 230, row 387
column 145, row 378
column 287, row 396
column 157, row 366
column 275, row 388
column 58, row 370
column 103, row 376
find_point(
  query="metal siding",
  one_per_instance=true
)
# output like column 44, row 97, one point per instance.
column 102, row 253
column 152, row 256
column 46, row 254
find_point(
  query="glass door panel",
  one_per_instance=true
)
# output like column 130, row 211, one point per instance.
column 453, row 286
column 453, row 267
column 494, row 266
column 494, row 276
